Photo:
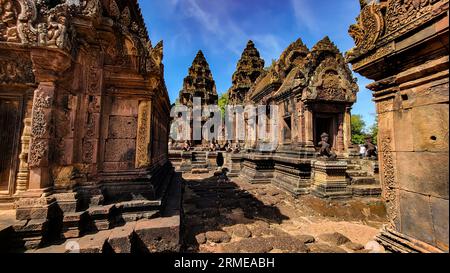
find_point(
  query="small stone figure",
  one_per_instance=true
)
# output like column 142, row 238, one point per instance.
column 371, row 149
column 325, row 147
column 186, row 146
column 237, row 148
column 212, row 146
column 56, row 31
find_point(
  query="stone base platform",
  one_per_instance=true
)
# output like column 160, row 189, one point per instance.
column 138, row 226
column 329, row 179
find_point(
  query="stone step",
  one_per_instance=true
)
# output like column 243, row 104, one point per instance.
column 121, row 238
column 200, row 170
column 366, row 190
column 363, row 180
column 357, row 173
column 354, row 167
column 94, row 243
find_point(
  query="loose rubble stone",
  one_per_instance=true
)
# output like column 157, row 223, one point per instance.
column 306, row 239
column 286, row 244
column 239, row 231
column 354, row 246
column 374, row 247
column 324, row 248
column 200, row 238
column 218, row 236
column 335, row 238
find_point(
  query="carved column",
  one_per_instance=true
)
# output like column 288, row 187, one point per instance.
column 35, row 206
column 41, row 136
column 144, row 141
column 309, row 126
column 347, row 129
column 23, row 173
column 340, row 134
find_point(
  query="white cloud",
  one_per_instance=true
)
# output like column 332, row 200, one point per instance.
column 268, row 46
column 305, row 15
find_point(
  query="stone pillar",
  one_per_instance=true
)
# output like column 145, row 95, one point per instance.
column 34, row 208
column 330, row 179
column 24, row 173
column 41, row 138
column 309, row 126
column 340, row 134
column 347, row 129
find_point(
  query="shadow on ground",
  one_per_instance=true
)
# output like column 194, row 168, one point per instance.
column 214, row 204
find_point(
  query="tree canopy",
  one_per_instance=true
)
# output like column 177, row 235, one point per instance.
column 360, row 132
column 358, row 129
column 223, row 102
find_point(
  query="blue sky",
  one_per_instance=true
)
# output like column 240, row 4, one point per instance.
column 221, row 29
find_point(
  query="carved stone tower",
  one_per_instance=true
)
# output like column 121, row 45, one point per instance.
column 199, row 83
column 248, row 69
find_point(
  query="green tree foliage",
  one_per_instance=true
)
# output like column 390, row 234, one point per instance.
column 358, row 129
column 223, row 102
column 373, row 131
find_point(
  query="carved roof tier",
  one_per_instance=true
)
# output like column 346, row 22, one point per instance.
column 295, row 55
column 248, row 69
column 67, row 24
column 199, row 83
column 317, row 75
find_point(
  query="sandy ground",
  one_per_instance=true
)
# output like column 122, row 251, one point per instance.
column 215, row 207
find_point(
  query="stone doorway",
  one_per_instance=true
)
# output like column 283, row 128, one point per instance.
column 9, row 121
column 325, row 123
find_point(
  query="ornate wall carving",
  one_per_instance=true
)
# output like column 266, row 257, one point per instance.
column 16, row 70
column 389, row 182
column 143, row 147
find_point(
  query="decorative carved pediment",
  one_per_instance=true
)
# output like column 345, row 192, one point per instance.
column 380, row 22
column 331, row 79
column 368, row 28
column 49, row 24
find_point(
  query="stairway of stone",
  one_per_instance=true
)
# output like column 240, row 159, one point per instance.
column 199, row 162
column 360, row 182
column 6, row 203
column 114, row 233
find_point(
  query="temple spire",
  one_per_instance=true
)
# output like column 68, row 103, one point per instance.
column 248, row 69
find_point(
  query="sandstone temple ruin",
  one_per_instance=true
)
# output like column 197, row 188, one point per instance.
column 403, row 46
column 314, row 90
column 83, row 118
column 86, row 156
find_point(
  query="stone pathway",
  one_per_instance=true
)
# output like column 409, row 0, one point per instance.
column 224, row 216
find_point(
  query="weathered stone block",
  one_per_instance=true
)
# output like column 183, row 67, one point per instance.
column 31, row 213
column 94, row 243
column 124, row 107
column 120, row 239
column 122, row 127
column 423, row 172
column 120, row 150
column 430, row 128
column 159, row 234
column 403, row 127
column 440, row 213
column 416, row 220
